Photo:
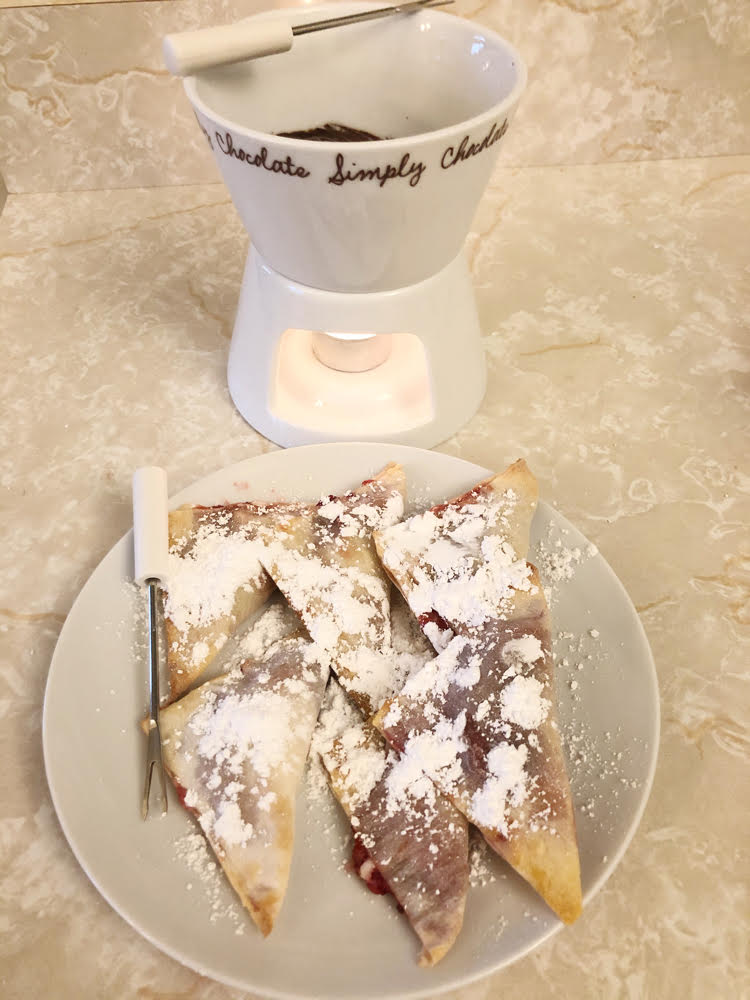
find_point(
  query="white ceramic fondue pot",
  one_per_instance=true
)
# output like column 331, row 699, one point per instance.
column 363, row 216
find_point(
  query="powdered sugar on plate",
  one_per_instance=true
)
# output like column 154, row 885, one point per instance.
column 596, row 754
column 193, row 851
column 557, row 562
column 482, row 864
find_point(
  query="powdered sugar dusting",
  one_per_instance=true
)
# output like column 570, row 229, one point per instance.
column 193, row 851
column 203, row 581
column 276, row 621
column 526, row 649
column 435, row 753
column 470, row 720
column 239, row 736
column 480, row 863
column 345, row 743
column 408, row 653
column 236, row 748
column 387, row 799
column 488, row 679
column 461, row 565
column 522, row 704
column 558, row 561
column 506, row 785
column 349, row 602
column 240, row 727
column 326, row 565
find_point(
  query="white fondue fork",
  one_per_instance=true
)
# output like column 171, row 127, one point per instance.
column 190, row 51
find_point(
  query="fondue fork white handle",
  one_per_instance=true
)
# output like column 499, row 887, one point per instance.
column 191, row 51
column 150, row 537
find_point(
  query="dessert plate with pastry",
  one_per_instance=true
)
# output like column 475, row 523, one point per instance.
column 411, row 722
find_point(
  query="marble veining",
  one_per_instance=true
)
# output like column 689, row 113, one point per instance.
column 612, row 271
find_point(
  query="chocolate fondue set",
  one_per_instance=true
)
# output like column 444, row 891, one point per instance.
column 356, row 318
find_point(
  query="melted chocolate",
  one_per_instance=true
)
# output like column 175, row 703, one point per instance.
column 332, row 132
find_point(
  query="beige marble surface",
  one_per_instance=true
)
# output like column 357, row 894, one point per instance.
column 53, row 3
column 612, row 267
column 85, row 102
column 615, row 301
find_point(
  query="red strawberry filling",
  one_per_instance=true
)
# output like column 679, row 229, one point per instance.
column 367, row 870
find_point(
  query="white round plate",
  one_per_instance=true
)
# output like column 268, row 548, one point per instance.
column 334, row 939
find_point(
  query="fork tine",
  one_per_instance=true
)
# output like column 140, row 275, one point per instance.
column 147, row 789
column 160, row 771
column 154, row 763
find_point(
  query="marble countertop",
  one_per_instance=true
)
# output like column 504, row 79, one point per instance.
column 614, row 298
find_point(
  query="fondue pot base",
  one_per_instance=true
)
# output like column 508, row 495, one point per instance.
column 308, row 365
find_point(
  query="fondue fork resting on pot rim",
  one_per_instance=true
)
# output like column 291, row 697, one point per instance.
column 190, row 51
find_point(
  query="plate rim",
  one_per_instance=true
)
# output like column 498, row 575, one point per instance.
column 419, row 993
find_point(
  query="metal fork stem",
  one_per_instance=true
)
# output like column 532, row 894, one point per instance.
column 153, row 751
column 153, row 652
column 368, row 15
